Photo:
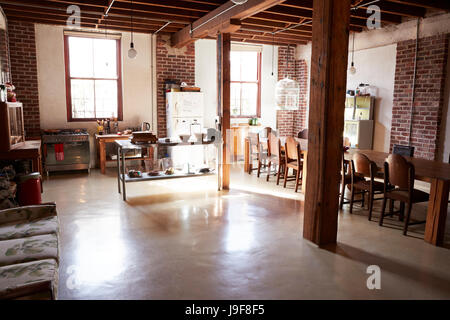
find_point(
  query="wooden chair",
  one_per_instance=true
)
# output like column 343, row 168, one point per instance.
column 363, row 167
column 346, row 180
column 406, row 151
column 257, row 153
column 253, row 139
column 264, row 133
column 399, row 175
column 293, row 160
column 303, row 134
column 275, row 156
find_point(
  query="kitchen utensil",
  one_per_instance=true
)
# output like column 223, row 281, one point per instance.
column 199, row 137
column 185, row 137
column 145, row 126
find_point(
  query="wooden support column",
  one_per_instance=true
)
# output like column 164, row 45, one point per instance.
column 437, row 212
column 326, row 119
column 224, row 95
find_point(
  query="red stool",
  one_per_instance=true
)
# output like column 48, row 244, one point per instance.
column 29, row 189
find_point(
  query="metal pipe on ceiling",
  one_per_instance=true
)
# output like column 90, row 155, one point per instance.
column 413, row 89
column 109, row 7
column 163, row 27
column 212, row 18
column 292, row 27
column 364, row 4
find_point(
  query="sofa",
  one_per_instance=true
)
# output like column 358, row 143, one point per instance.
column 29, row 252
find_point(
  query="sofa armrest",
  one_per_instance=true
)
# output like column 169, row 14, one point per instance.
column 27, row 213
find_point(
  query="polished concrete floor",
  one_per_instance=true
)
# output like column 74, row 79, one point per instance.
column 181, row 239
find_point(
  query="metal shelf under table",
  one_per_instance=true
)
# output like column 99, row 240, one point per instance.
column 123, row 146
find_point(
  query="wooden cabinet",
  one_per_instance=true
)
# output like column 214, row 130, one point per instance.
column 12, row 133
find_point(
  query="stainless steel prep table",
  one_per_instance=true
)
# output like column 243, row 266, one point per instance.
column 124, row 146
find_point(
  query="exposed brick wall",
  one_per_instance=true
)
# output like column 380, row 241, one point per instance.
column 4, row 56
column 429, row 94
column 173, row 64
column 289, row 123
column 22, row 46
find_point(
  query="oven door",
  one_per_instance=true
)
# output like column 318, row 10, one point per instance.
column 76, row 156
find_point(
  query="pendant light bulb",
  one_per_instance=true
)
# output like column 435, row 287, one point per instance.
column 353, row 69
column 132, row 53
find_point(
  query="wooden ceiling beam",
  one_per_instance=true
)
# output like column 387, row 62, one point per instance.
column 217, row 17
column 266, row 15
column 90, row 8
column 271, row 38
column 243, row 40
column 176, row 4
column 307, row 13
column 429, row 4
column 269, row 30
column 400, row 9
column 112, row 19
column 280, row 25
column 85, row 23
column 262, row 40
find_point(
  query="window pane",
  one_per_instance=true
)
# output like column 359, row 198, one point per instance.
column 82, row 98
column 235, row 99
column 105, row 58
column 235, row 66
column 249, row 99
column 106, row 98
column 249, row 66
column 80, row 56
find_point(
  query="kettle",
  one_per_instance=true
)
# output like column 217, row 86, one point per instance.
column 145, row 126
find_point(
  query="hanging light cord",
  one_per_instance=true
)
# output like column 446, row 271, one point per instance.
column 131, row 21
column 287, row 61
column 273, row 53
column 413, row 93
column 353, row 50
column 106, row 27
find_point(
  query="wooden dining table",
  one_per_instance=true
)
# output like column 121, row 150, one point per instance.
column 436, row 173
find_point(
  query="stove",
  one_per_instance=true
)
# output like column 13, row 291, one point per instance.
column 66, row 150
column 65, row 135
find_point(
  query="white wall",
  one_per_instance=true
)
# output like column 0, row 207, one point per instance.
column 268, row 86
column 376, row 67
column 136, row 74
column 205, row 78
